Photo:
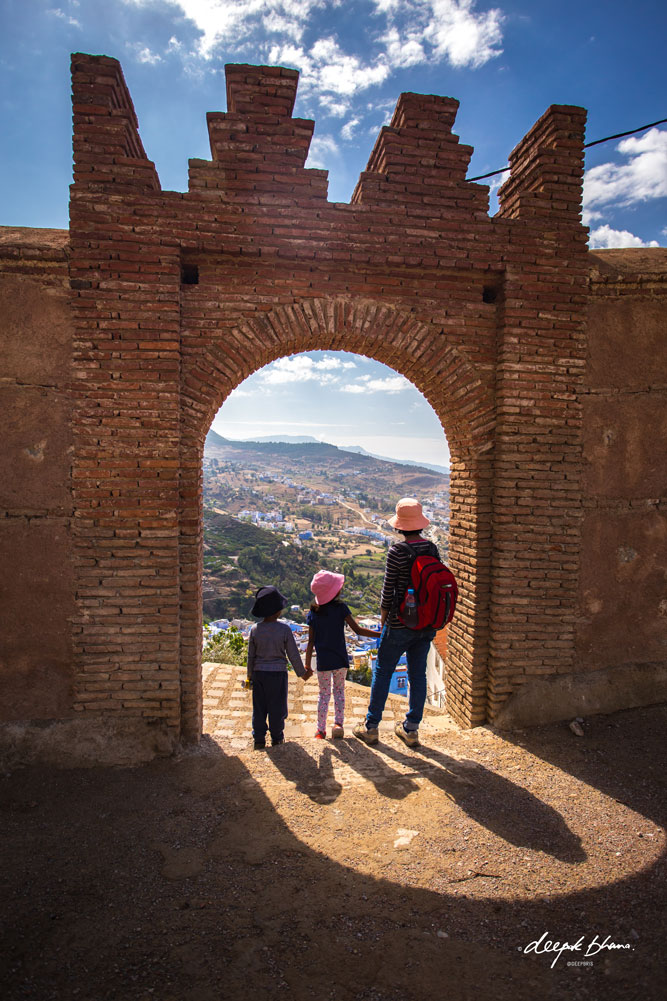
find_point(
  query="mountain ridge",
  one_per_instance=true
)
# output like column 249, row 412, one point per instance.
column 307, row 442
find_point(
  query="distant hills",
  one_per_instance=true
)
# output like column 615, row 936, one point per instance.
column 213, row 439
column 401, row 462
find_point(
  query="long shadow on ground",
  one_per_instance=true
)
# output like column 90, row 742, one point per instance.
column 178, row 881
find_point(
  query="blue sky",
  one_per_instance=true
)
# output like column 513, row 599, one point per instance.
column 505, row 63
column 337, row 397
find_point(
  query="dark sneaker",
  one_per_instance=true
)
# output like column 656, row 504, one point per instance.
column 280, row 740
column 259, row 745
column 409, row 737
column 337, row 732
column 363, row 733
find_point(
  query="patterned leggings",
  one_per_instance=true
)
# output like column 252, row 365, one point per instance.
column 324, row 679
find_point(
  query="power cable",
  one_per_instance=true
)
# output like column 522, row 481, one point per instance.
column 596, row 142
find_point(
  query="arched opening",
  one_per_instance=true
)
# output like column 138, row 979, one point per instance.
column 303, row 466
column 431, row 360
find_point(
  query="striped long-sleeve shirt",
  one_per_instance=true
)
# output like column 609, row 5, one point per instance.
column 397, row 575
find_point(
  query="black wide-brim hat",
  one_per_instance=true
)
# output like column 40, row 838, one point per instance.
column 268, row 601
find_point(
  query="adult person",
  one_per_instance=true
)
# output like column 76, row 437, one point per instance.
column 396, row 638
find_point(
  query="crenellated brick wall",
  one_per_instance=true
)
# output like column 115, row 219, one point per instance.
column 175, row 298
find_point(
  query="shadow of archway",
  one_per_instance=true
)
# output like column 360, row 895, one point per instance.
column 183, row 879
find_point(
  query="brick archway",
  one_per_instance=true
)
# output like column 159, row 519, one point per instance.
column 178, row 296
column 439, row 369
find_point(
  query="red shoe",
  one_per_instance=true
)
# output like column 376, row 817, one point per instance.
column 321, row 735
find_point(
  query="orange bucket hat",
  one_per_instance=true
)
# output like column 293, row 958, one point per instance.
column 409, row 516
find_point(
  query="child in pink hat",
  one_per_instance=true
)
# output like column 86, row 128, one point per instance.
column 327, row 618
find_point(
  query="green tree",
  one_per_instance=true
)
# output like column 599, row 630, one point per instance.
column 361, row 674
column 227, row 647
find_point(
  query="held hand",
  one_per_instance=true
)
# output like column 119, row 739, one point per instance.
column 308, row 675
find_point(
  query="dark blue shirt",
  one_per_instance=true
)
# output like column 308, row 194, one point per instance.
column 328, row 627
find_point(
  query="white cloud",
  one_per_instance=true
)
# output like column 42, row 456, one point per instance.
column 590, row 215
column 288, row 54
column 56, row 12
column 604, row 237
column 462, row 36
column 303, row 368
column 335, row 106
column 411, row 32
column 367, row 384
column 322, row 148
column 328, row 72
column 387, row 105
column 498, row 181
column 437, row 30
column 403, row 51
column 642, row 178
column 144, row 54
column 339, row 73
column 347, row 132
column 278, row 24
column 229, row 22
column 330, row 362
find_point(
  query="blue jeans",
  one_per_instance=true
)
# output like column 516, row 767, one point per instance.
column 414, row 643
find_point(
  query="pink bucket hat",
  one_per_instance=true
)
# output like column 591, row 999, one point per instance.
column 325, row 585
column 409, row 516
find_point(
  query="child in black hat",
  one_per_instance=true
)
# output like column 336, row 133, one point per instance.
column 270, row 645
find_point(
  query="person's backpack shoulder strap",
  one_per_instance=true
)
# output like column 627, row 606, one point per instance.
column 410, row 550
column 405, row 547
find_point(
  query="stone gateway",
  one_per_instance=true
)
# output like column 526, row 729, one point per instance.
column 122, row 337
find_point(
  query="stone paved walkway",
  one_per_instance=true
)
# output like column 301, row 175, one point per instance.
column 228, row 708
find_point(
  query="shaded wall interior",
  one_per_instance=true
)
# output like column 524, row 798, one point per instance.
column 36, row 583
column 623, row 584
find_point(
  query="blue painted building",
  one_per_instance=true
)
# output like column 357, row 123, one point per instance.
column 399, row 679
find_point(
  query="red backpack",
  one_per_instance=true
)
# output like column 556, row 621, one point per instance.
column 435, row 590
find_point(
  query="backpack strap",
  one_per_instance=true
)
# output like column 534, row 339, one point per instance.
column 406, row 548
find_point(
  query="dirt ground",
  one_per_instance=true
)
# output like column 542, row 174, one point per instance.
column 335, row 871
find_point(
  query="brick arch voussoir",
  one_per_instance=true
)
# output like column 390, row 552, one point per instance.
column 418, row 350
